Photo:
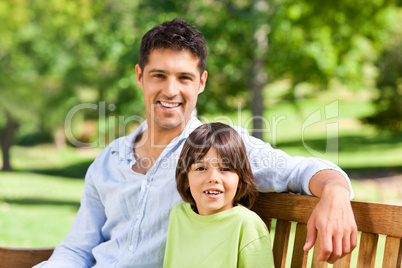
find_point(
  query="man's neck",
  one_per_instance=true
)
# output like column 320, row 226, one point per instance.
column 151, row 143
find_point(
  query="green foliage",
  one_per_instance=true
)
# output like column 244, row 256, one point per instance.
column 55, row 55
column 388, row 115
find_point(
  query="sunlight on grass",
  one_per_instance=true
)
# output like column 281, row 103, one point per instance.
column 45, row 156
column 36, row 210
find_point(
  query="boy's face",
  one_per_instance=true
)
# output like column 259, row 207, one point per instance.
column 170, row 82
column 212, row 184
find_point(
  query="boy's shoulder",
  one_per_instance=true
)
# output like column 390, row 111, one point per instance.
column 250, row 219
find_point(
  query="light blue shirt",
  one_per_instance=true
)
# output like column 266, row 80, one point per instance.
column 124, row 215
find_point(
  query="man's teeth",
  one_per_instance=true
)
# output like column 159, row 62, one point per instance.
column 169, row 104
column 212, row 192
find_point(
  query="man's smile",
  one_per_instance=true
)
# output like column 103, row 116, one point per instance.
column 169, row 104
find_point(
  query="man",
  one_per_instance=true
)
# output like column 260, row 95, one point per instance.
column 130, row 187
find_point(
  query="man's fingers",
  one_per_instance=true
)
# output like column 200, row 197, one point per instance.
column 337, row 248
column 326, row 247
column 310, row 237
column 353, row 239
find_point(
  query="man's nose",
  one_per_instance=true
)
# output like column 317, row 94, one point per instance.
column 170, row 89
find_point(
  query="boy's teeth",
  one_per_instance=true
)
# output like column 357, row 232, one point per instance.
column 169, row 105
column 212, row 192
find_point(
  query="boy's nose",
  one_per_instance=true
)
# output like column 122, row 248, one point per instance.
column 214, row 177
column 213, row 180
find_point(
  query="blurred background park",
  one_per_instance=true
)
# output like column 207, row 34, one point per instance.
column 320, row 78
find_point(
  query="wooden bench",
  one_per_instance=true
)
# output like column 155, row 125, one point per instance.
column 23, row 258
column 372, row 220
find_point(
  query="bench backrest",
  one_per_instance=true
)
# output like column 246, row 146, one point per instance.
column 372, row 220
column 23, row 258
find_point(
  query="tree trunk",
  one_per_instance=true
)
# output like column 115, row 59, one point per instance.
column 258, row 76
column 6, row 140
column 257, row 107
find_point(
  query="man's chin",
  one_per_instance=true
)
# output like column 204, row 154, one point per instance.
column 171, row 124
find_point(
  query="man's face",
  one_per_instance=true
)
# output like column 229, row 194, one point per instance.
column 170, row 82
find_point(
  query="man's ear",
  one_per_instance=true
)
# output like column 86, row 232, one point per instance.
column 203, row 81
column 138, row 72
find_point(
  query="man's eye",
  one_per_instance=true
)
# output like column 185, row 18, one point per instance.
column 185, row 77
column 159, row 76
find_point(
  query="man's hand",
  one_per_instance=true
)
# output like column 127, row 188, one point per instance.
column 332, row 218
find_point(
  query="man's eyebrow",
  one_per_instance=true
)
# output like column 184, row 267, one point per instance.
column 188, row 74
column 166, row 72
column 157, row 71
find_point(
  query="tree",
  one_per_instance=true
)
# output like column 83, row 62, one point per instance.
column 19, row 104
column 388, row 114
column 253, row 43
column 55, row 55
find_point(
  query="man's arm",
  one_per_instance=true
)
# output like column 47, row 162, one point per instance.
column 85, row 233
column 332, row 218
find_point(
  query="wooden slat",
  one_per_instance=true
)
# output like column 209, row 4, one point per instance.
column 400, row 255
column 367, row 250
column 344, row 262
column 370, row 217
column 316, row 252
column 281, row 240
column 23, row 258
column 268, row 223
column 299, row 257
column 392, row 246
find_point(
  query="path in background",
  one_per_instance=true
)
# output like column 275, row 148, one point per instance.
column 389, row 187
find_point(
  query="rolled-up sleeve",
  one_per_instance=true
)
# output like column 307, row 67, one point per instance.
column 276, row 171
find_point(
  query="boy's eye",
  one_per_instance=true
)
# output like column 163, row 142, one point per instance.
column 200, row 168
column 226, row 169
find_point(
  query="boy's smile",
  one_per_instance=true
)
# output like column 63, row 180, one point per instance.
column 212, row 184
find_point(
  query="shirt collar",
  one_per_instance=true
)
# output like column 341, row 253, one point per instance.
column 124, row 145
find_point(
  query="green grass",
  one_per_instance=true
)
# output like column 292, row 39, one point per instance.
column 39, row 201
column 36, row 210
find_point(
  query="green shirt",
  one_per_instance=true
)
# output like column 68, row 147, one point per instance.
column 233, row 238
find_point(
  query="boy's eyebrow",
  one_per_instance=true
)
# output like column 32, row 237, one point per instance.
column 209, row 160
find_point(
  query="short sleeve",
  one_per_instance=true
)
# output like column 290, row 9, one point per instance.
column 257, row 253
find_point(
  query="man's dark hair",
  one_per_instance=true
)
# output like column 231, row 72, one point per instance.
column 176, row 35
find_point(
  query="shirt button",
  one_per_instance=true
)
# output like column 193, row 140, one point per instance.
column 131, row 247
column 138, row 216
column 145, row 182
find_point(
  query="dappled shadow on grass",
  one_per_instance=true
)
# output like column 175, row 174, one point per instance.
column 41, row 202
column 349, row 143
column 75, row 171
column 353, row 144
column 373, row 172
